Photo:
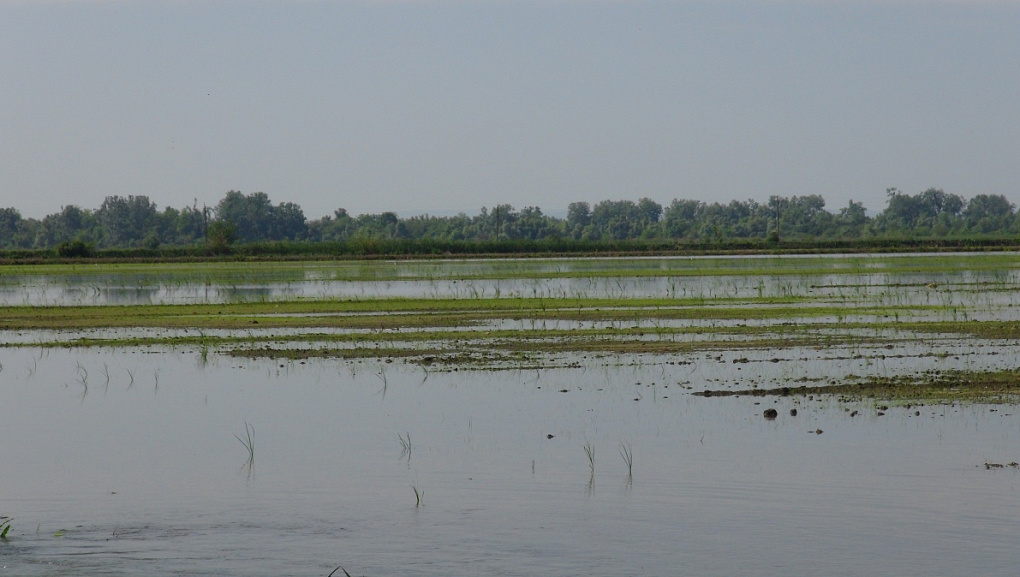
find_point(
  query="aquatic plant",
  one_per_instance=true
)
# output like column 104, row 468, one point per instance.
column 589, row 450
column 628, row 458
column 405, row 446
column 249, row 443
column 83, row 379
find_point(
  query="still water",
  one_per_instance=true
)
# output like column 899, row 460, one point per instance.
column 131, row 462
column 961, row 279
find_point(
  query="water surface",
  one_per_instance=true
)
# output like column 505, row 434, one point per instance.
column 131, row 460
column 143, row 474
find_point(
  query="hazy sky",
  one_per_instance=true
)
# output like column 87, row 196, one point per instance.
column 446, row 106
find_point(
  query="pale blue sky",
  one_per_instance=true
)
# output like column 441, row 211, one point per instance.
column 445, row 106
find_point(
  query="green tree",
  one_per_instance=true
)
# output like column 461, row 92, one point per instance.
column 251, row 215
column 619, row 219
column 180, row 227
column 10, row 227
column 531, row 224
column 495, row 224
column 71, row 223
column 932, row 211
column 989, row 213
column 126, row 221
column 851, row 222
column 650, row 210
column 256, row 219
column 681, row 218
column 288, row 222
column 800, row 216
column 578, row 217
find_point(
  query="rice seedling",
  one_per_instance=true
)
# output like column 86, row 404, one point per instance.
column 338, row 568
column 106, row 373
column 249, row 444
column 589, row 450
column 203, row 352
column 83, row 380
column 5, row 526
column 627, row 452
column 405, row 446
column 419, row 495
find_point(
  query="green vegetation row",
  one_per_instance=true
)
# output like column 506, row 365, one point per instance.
column 384, row 314
column 393, row 313
column 361, row 248
column 252, row 226
column 454, row 339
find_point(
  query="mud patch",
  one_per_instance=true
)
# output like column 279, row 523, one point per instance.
column 990, row 386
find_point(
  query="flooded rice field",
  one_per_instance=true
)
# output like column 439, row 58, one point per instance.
column 678, row 425
column 842, row 277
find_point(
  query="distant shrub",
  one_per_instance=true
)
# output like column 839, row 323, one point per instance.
column 220, row 236
column 75, row 249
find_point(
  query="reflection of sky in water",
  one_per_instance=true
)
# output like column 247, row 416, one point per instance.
column 132, row 454
column 959, row 289
column 144, row 465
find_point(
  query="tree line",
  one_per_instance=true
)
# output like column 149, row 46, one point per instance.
column 238, row 218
